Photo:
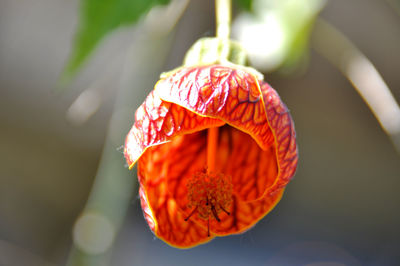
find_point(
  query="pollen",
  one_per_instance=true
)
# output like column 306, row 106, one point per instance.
column 209, row 193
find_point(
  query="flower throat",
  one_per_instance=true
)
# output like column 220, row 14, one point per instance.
column 209, row 192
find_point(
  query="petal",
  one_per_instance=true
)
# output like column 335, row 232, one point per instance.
column 160, row 209
column 244, row 215
column 252, row 169
column 157, row 122
column 227, row 93
column 282, row 126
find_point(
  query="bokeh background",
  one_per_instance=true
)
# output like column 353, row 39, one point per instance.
column 342, row 207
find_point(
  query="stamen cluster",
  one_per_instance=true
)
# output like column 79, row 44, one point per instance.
column 209, row 193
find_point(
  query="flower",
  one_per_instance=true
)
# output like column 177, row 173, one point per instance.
column 215, row 148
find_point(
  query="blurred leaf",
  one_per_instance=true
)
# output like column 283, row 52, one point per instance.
column 285, row 27
column 299, row 21
column 245, row 4
column 97, row 19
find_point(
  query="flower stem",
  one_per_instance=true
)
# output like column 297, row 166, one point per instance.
column 223, row 18
column 212, row 142
column 363, row 75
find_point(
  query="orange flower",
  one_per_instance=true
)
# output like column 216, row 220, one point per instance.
column 215, row 148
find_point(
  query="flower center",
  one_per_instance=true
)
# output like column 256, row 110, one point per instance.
column 209, row 192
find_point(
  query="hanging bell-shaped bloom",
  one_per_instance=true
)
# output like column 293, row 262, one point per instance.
column 215, row 148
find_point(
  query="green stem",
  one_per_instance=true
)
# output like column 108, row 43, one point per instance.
column 365, row 78
column 223, row 18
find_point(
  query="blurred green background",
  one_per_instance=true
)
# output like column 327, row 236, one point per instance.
column 342, row 208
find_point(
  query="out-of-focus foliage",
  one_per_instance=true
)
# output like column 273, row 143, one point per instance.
column 299, row 19
column 97, row 19
column 276, row 32
column 245, row 4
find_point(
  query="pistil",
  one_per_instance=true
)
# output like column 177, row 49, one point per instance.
column 212, row 143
